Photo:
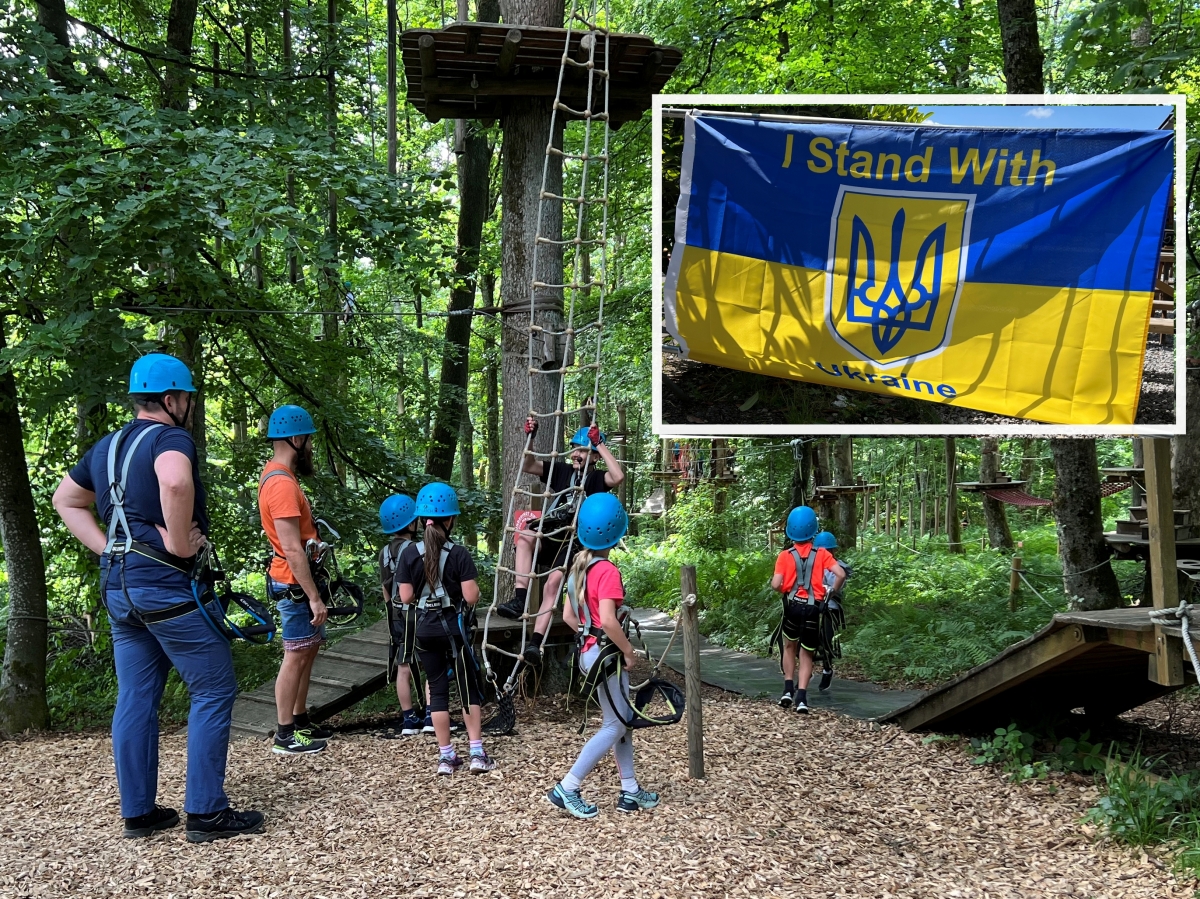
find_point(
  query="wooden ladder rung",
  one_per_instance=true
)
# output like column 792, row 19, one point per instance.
column 1162, row 326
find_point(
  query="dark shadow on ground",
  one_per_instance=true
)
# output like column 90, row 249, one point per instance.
column 698, row 393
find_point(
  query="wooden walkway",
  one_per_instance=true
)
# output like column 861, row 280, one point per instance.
column 1102, row 663
column 352, row 669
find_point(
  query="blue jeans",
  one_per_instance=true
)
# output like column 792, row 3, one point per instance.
column 144, row 655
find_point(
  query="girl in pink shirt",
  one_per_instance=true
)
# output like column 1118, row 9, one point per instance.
column 597, row 593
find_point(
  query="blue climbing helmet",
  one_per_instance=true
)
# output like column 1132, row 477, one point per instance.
column 602, row 521
column 290, row 421
column 580, row 438
column 825, row 540
column 396, row 513
column 802, row 524
column 437, row 500
column 159, row 373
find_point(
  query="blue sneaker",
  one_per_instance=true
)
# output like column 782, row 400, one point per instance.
column 411, row 725
column 427, row 724
column 631, row 802
column 571, row 801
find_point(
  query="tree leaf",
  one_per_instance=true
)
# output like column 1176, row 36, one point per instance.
column 749, row 404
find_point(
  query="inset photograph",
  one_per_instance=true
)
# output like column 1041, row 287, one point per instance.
column 915, row 264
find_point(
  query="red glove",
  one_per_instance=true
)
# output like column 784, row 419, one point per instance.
column 594, row 434
column 531, row 426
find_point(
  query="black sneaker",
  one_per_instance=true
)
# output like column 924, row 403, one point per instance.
column 826, row 679
column 222, row 825
column 160, row 818
column 532, row 655
column 299, row 743
column 785, row 701
column 316, row 732
column 512, row 610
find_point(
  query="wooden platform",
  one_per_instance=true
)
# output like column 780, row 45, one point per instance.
column 349, row 671
column 469, row 70
column 1097, row 662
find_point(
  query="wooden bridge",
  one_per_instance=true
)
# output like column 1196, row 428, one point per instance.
column 352, row 669
column 1098, row 663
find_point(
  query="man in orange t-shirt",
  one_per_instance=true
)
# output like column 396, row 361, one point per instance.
column 803, row 602
column 287, row 518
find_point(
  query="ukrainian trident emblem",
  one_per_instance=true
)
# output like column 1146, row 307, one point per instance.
column 896, row 266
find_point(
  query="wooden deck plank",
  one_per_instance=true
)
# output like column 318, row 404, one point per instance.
column 1096, row 661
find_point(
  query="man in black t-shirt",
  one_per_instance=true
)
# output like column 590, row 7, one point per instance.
column 587, row 448
column 144, row 482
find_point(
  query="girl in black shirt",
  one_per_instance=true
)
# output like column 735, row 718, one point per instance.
column 440, row 577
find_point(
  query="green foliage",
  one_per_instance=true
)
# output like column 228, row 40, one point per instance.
column 1027, row 755
column 1140, row 808
column 912, row 621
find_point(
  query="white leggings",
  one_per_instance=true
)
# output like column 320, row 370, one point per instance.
column 613, row 734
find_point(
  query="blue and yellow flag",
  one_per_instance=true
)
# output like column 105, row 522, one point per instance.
column 1004, row 270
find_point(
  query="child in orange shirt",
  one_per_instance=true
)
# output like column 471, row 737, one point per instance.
column 800, row 577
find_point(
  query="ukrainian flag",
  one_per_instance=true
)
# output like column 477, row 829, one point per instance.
column 1006, row 270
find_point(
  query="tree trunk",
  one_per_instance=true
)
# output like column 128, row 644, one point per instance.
column 466, row 473
column 473, row 165
column 23, row 677
column 333, row 284
column 190, row 348
column 526, row 136
column 491, row 378
column 822, row 476
column 1023, row 58
column 843, row 475
column 953, row 526
column 1089, row 581
column 52, row 15
column 999, row 535
column 1186, row 447
column 181, row 26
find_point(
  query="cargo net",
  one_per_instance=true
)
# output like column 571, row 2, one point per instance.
column 587, row 170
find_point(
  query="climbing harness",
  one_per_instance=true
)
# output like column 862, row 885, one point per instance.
column 233, row 615
column 436, row 601
column 399, row 614
column 343, row 599
column 591, row 58
column 608, row 664
column 829, row 620
column 248, row 620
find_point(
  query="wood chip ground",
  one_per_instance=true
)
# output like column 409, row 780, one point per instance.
column 822, row 806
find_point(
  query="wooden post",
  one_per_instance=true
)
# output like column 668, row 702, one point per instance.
column 937, row 508
column 1014, row 582
column 691, row 672
column 924, row 521
column 910, row 522
column 887, row 515
column 876, row 511
column 1166, row 665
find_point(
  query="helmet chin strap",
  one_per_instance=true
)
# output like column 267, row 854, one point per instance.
column 179, row 422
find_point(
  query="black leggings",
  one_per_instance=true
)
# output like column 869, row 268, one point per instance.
column 438, row 654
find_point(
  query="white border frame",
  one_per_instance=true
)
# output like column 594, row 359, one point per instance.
column 700, row 101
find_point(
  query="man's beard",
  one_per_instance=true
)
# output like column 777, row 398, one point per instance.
column 304, row 461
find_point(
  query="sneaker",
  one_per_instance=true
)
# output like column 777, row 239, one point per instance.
column 802, row 707
column 482, row 764
column 447, row 765
column 222, row 825
column 411, row 725
column 532, row 655
column 571, row 801
column 160, row 818
column 512, row 610
column 299, row 743
column 785, row 701
column 427, row 725
column 631, row 802
column 826, row 679
column 316, row 732
column 455, row 726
